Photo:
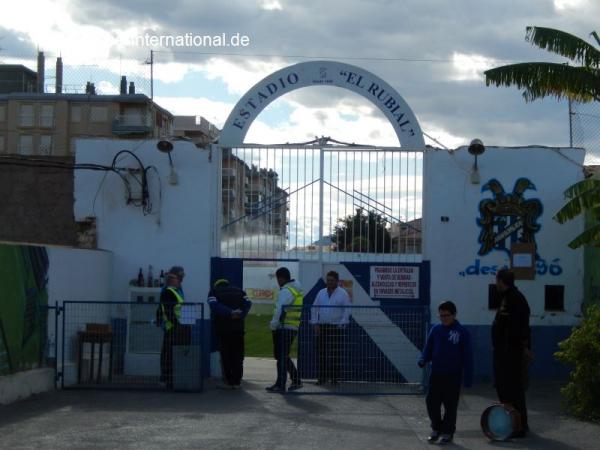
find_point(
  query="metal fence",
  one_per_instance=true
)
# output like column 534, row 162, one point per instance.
column 321, row 202
column 585, row 129
column 368, row 350
column 121, row 345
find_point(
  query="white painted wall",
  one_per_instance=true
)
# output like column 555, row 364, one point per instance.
column 452, row 246
column 82, row 276
column 181, row 227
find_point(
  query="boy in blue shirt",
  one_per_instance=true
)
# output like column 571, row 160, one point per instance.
column 448, row 347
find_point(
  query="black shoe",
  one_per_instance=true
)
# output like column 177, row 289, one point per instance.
column 295, row 386
column 433, row 437
column 445, row 439
column 275, row 389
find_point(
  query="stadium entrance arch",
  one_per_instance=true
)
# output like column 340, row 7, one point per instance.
column 324, row 205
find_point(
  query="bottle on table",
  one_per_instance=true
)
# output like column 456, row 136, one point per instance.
column 150, row 280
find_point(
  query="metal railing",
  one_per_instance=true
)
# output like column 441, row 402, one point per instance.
column 123, row 345
column 360, row 350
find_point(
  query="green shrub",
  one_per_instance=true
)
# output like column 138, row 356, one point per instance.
column 581, row 350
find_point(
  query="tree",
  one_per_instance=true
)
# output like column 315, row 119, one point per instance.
column 540, row 79
column 583, row 196
column 580, row 83
column 362, row 232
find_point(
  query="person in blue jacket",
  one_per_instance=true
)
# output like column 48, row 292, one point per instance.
column 448, row 348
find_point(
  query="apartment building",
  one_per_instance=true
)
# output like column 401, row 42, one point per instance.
column 48, row 124
column 253, row 202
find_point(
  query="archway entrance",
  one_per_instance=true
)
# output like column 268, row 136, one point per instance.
column 325, row 205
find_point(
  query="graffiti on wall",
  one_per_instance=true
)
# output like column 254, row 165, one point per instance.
column 23, row 311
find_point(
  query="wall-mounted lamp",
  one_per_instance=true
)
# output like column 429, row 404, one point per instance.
column 476, row 148
column 167, row 147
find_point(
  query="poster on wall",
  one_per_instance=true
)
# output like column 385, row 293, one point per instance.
column 394, row 282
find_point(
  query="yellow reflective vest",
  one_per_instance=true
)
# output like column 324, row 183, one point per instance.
column 176, row 310
column 293, row 313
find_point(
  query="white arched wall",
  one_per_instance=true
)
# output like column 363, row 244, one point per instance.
column 323, row 73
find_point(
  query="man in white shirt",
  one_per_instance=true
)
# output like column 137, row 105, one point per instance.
column 329, row 316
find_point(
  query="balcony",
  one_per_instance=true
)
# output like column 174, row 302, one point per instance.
column 132, row 124
column 229, row 173
column 228, row 194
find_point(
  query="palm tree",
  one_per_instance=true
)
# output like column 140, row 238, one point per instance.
column 583, row 196
column 540, row 79
column 579, row 83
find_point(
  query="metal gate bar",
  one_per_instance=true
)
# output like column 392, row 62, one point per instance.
column 321, row 202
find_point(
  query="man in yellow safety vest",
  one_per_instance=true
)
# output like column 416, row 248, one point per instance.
column 284, row 325
column 171, row 301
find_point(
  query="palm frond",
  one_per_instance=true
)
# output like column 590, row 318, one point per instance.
column 583, row 196
column 548, row 79
column 564, row 44
column 589, row 236
column 581, row 187
column 595, row 36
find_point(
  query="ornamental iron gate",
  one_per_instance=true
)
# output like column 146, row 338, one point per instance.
column 321, row 201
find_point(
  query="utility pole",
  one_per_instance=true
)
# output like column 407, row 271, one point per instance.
column 151, row 62
column 151, row 74
column 570, row 123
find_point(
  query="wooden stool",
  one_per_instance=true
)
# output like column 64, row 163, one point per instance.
column 95, row 333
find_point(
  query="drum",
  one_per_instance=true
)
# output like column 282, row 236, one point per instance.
column 500, row 421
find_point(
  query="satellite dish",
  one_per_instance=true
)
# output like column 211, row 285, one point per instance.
column 164, row 146
column 476, row 147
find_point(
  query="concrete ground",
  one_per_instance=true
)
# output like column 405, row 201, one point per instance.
column 253, row 419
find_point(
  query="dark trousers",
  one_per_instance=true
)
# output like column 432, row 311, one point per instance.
column 329, row 350
column 179, row 335
column 166, row 357
column 231, row 347
column 444, row 389
column 282, row 343
column 509, row 370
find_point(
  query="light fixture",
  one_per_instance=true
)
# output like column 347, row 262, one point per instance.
column 167, row 147
column 476, row 148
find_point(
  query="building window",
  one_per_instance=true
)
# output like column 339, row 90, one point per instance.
column 46, row 144
column 493, row 297
column 25, row 144
column 98, row 114
column 554, row 298
column 2, row 113
column 47, row 116
column 26, row 115
column 75, row 114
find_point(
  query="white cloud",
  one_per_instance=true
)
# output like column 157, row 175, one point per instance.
column 470, row 66
column 271, row 5
column 562, row 5
column 238, row 78
column 214, row 111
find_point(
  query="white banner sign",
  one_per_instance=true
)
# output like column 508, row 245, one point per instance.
column 394, row 282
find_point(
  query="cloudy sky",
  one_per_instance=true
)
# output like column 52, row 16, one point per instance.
column 432, row 51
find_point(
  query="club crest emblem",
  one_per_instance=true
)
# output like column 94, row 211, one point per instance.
column 507, row 216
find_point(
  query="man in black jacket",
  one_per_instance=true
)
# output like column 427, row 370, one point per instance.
column 511, row 340
column 229, row 306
